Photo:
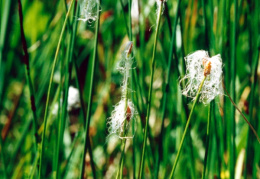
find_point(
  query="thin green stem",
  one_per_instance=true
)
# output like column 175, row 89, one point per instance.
column 84, row 118
column 49, row 90
column 132, row 82
column 34, row 165
column 4, row 27
column 250, row 142
column 232, row 145
column 121, row 163
column 150, row 90
column 166, row 90
column 90, row 93
column 3, row 158
column 207, row 141
column 120, row 169
column 130, row 19
column 256, row 145
column 184, row 100
column 235, row 106
column 127, row 29
column 68, row 62
column 186, row 128
column 125, row 96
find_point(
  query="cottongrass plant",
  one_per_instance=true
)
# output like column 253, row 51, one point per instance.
column 204, row 83
column 204, row 76
column 124, row 112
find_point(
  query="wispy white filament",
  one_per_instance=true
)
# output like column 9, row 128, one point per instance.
column 158, row 3
column 88, row 10
column 124, row 112
column 119, row 116
column 212, row 86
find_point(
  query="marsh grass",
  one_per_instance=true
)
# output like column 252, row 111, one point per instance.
column 64, row 51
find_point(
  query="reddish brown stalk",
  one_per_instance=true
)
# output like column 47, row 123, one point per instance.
column 252, row 128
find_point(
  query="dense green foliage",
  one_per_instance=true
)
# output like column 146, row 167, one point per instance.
column 85, row 55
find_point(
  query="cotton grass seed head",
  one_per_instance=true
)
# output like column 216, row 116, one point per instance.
column 121, row 119
column 88, row 10
column 158, row 3
column 199, row 65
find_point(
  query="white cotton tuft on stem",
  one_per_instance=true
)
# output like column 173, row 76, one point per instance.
column 121, row 119
column 124, row 113
column 88, row 10
column 199, row 65
column 158, row 4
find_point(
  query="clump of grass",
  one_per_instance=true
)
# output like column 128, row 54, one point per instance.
column 75, row 136
column 49, row 91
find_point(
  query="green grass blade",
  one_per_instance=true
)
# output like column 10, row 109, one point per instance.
column 207, row 140
column 94, row 59
column 3, row 158
column 49, row 90
column 231, row 122
column 166, row 90
column 186, row 128
column 150, row 90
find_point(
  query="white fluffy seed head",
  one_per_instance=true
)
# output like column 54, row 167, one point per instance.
column 124, row 114
column 121, row 115
column 195, row 72
column 88, row 10
column 158, row 3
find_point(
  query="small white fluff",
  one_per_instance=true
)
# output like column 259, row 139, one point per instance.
column 118, row 118
column 88, row 10
column 73, row 101
column 212, row 86
column 73, row 98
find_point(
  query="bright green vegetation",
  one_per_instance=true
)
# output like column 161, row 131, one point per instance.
column 52, row 51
